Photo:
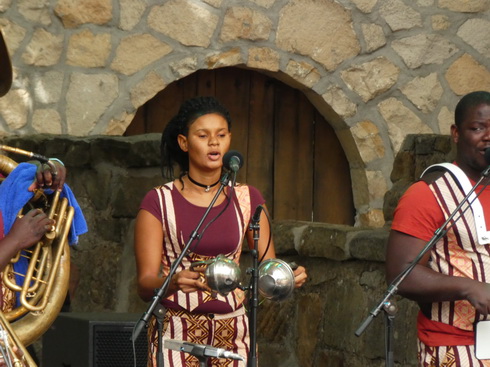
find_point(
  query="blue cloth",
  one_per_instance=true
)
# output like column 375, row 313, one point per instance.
column 14, row 195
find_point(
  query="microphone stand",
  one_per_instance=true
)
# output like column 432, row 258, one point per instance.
column 143, row 322
column 386, row 304
column 254, row 296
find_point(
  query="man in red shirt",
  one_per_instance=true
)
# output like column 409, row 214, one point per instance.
column 450, row 283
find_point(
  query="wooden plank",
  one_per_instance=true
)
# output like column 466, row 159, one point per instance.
column 163, row 107
column 137, row 126
column 206, row 83
column 233, row 90
column 285, row 147
column 304, row 151
column 333, row 199
column 260, row 156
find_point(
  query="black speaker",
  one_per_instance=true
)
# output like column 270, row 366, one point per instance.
column 94, row 340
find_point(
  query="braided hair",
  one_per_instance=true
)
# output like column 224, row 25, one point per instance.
column 189, row 112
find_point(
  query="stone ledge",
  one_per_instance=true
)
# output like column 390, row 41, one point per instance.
column 329, row 241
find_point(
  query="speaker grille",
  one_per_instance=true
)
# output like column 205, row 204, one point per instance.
column 113, row 347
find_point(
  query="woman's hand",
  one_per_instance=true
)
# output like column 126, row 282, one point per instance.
column 300, row 276
column 188, row 281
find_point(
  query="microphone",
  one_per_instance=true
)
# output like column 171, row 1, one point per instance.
column 198, row 350
column 233, row 160
column 487, row 156
column 256, row 216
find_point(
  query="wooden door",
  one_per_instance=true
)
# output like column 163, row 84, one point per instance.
column 292, row 154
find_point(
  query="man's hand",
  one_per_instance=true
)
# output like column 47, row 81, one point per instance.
column 50, row 175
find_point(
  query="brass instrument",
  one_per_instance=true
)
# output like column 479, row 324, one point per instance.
column 46, row 280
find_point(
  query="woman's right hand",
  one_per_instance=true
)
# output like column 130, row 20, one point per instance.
column 188, row 281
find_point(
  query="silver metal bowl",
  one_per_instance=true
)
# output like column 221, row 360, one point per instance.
column 276, row 279
column 223, row 275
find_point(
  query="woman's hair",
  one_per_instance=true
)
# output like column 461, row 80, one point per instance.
column 189, row 112
column 468, row 101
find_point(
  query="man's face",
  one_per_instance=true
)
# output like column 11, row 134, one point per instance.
column 472, row 138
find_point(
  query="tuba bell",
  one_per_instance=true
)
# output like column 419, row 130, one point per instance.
column 43, row 290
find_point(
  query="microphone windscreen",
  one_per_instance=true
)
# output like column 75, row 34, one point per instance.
column 232, row 155
column 487, row 156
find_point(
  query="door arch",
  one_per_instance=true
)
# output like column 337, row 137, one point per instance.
column 292, row 154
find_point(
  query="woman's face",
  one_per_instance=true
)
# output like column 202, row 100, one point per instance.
column 207, row 141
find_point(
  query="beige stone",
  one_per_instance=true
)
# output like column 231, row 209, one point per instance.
column 222, row 59
column 424, row 49
column 44, row 49
column 95, row 90
column 371, row 78
column 184, row 21
column 401, row 121
column 425, row 3
column 377, row 185
column 13, row 34
column 440, row 22
column 445, row 119
column 340, row 103
column 465, row 6
column 264, row 3
column 215, row 3
column 184, row 67
column 400, row 16
column 48, row 86
column 146, row 89
column 373, row 218
column 4, row 5
column 245, row 23
column 131, row 13
column 47, row 121
column 263, row 58
column 304, row 24
column 373, row 36
column 424, row 92
column 467, row 75
column 36, row 11
column 368, row 141
column 136, row 52
column 74, row 13
column 88, row 49
column 475, row 33
column 118, row 126
column 303, row 72
column 366, row 6
column 14, row 107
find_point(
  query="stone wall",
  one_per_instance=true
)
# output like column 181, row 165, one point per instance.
column 110, row 175
column 377, row 70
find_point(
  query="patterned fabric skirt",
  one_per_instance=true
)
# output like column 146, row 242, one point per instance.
column 449, row 356
column 226, row 331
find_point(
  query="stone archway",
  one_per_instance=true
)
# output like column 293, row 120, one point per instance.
column 292, row 153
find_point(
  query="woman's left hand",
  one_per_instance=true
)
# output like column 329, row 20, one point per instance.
column 300, row 276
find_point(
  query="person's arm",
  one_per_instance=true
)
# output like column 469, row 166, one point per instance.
column 268, row 252
column 148, row 247
column 25, row 232
column 425, row 285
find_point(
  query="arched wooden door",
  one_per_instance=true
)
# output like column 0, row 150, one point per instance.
column 291, row 153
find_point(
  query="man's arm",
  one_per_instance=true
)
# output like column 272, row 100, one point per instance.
column 425, row 285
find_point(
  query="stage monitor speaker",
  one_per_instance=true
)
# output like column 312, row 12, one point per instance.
column 94, row 340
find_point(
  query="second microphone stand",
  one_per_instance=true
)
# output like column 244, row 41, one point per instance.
column 153, row 309
column 386, row 304
column 254, row 296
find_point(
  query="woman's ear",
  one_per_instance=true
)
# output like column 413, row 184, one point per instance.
column 182, row 140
